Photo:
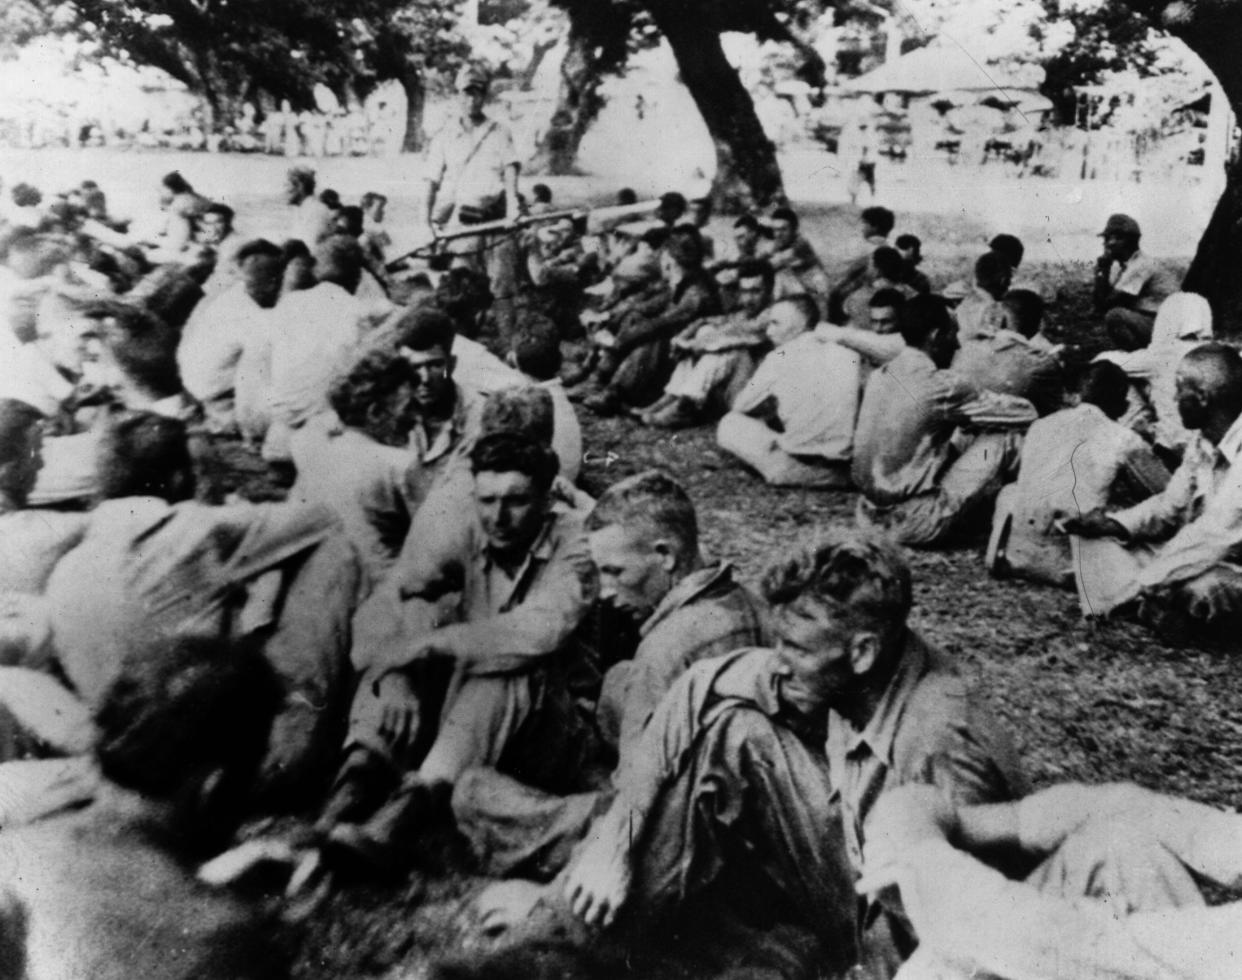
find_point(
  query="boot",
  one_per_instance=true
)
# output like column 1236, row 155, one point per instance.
column 363, row 783
column 384, row 846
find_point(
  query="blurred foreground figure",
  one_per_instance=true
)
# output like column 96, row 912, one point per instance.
column 1113, row 896
column 104, row 892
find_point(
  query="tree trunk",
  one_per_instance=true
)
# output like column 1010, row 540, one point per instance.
column 415, row 105
column 577, row 105
column 1211, row 31
column 747, row 173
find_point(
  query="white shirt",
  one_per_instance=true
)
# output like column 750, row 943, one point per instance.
column 468, row 163
column 816, row 385
column 213, row 341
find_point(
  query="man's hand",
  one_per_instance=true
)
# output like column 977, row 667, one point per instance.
column 902, row 819
column 1093, row 524
column 398, row 710
column 597, row 884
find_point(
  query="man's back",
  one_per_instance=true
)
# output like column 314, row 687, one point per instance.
column 312, row 332
column 213, row 341
column 909, row 412
column 1009, row 364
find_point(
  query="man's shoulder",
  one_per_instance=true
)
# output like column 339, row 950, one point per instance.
column 709, row 617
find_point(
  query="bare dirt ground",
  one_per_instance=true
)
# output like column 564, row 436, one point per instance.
column 1088, row 701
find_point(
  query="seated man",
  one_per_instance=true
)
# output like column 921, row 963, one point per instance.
column 794, row 420
column 105, row 890
column 1009, row 361
column 222, row 326
column 1075, row 460
column 746, row 246
column 1178, row 552
column 555, row 267
column 886, row 271
column 715, row 356
column 355, row 459
column 1129, row 285
column 644, row 541
column 155, row 564
column 312, row 331
column 980, row 314
column 794, row 260
column 922, row 475
column 637, row 360
column 876, row 224
column 519, row 571
column 880, row 341
column 1116, row 893
column 536, row 353
column 730, row 803
column 911, row 249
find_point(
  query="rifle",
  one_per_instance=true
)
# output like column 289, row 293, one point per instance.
column 594, row 219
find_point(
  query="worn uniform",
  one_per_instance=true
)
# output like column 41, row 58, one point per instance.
column 514, row 828
column 920, row 477
column 212, row 345
column 1199, row 566
column 716, row 361
column 799, row 271
column 1150, row 284
column 815, row 384
column 147, row 568
column 1008, row 363
column 507, row 638
column 979, row 316
column 1072, row 462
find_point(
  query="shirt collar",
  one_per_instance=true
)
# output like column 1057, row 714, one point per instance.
column 687, row 591
column 881, row 731
column 1231, row 445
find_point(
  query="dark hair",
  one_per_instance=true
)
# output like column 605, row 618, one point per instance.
column 922, row 316
column 990, row 267
column 362, row 397
column 908, row 241
column 1106, row 386
column 17, row 419
column 685, row 250
column 542, row 193
column 295, row 248
column 330, row 199
column 259, row 246
column 863, row 578
column 26, row 195
column 463, row 294
column 304, row 177
column 757, row 269
column 182, row 709
column 421, row 328
column 787, row 214
column 537, row 347
column 1010, row 247
column 889, row 263
column 674, row 201
column 525, row 411
column 176, row 183
column 888, row 298
column 651, row 501
column 350, row 219
column 169, row 294
column 881, row 219
column 1223, row 365
column 512, row 452
column 372, row 197
column 223, row 210
column 747, row 221
column 626, row 196
column 339, row 259
column 143, row 345
column 655, row 238
column 143, row 454
column 1027, row 308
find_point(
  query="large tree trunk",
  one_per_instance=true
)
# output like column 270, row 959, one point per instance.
column 415, row 106
column 1212, row 31
column 578, row 104
column 747, row 173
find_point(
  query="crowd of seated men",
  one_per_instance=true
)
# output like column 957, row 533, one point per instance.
column 439, row 629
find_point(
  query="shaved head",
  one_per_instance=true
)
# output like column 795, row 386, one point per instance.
column 1209, row 389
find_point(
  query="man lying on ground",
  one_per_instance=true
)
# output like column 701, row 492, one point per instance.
column 1075, row 460
column 794, row 420
column 930, row 450
column 522, row 577
column 1116, row 893
column 715, row 356
column 1177, row 552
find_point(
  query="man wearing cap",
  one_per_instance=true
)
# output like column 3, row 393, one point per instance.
column 1129, row 285
column 471, row 175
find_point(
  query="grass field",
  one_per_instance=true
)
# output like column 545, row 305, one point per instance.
column 1089, row 701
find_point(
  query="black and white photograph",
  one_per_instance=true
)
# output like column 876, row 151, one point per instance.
column 650, row 489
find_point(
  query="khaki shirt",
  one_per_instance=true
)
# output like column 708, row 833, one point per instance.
column 468, row 163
